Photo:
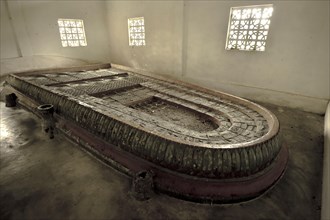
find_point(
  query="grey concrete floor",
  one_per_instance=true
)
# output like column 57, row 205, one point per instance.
column 54, row 179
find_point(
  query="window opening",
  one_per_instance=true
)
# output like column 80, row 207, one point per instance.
column 72, row 32
column 248, row 27
column 136, row 32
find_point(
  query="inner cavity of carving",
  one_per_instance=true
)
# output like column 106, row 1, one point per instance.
column 176, row 114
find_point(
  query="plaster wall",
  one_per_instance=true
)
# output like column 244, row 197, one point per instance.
column 35, row 23
column 7, row 37
column 20, row 64
column 186, row 39
column 325, row 214
column 163, row 26
column 294, row 69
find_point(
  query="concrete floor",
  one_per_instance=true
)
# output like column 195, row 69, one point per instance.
column 54, row 179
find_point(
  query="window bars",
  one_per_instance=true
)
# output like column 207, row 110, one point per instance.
column 248, row 27
column 136, row 32
column 72, row 32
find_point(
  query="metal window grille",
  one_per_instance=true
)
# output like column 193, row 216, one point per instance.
column 72, row 32
column 136, row 32
column 248, row 27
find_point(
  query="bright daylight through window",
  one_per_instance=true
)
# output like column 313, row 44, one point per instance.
column 72, row 32
column 248, row 27
column 136, row 32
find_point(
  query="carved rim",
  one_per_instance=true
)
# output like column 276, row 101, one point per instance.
column 272, row 121
column 269, row 116
column 265, row 148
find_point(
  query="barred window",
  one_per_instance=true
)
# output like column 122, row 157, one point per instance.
column 72, row 32
column 248, row 27
column 136, row 32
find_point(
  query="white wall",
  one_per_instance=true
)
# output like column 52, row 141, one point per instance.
column 294, row 68
column 187, row 39
column 21, row 64
column 7, row 37
column 325, row 214
column 35, row 24
column 163, row 25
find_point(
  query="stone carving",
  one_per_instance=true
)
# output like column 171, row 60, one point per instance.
column 191, row 132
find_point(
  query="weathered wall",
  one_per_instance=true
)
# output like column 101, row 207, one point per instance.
column 326, row 161
column 187, row 39
column 35, row 25
column 294, row 69
column 163, row 25
column 7, row 37
column 20, row 64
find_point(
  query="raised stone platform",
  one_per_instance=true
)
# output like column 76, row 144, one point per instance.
column 199, row 144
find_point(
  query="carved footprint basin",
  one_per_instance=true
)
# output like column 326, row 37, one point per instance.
column 200, row 144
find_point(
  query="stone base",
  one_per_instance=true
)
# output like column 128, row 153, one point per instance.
column 220, row 148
